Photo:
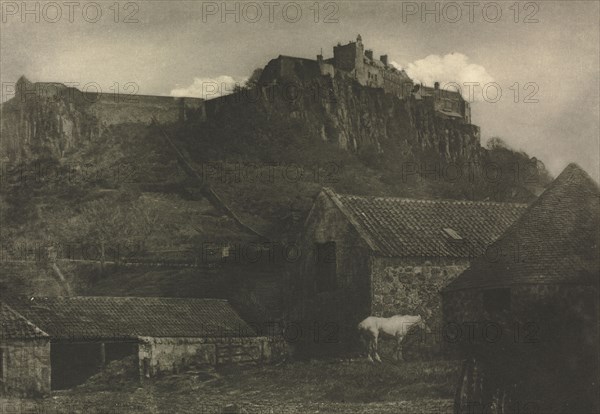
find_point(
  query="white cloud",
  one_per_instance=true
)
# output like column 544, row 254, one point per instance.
column 208, row 88
column 396, row 65
column 453, row 67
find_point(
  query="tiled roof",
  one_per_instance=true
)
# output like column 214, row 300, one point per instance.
column 555, row 241
column 14, row 326
column 90, row 317
column 398, row 227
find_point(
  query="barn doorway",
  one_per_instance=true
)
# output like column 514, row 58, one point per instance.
column 73, row 363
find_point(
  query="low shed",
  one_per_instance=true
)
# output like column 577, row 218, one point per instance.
column 528, row 325
column 71, row 338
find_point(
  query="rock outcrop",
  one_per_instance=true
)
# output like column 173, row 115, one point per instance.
column 49, row 119
column 355, row 117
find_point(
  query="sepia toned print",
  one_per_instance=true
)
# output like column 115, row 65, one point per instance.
column 299, row 207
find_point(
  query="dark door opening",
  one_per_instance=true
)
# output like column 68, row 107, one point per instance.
column 73, row 363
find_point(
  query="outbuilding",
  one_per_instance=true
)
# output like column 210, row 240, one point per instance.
column 24, row 355
column 58, row 342
column 383, row 256
column 528, row 325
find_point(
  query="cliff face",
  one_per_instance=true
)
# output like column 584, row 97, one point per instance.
column 354, row 117
column 44, row 121
column 49, row 119
column 360, row 117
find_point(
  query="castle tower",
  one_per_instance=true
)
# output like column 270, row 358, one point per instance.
column 359, row 63
column 349, row 57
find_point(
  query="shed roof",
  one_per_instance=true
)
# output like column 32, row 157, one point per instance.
column 554, row 242
column 400, row 227
column 92, row 317
column 14, row 326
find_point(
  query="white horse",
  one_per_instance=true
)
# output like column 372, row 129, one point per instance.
column 396, row 327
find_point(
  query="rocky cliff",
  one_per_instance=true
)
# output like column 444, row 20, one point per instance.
column 44, row 122
column 354, row 117
column 50, row 119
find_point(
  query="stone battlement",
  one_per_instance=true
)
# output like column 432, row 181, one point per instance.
column 112, row 108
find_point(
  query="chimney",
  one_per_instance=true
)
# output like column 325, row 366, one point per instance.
column 436, row 85
column 369, row 54
column 384, row 59
column 319, row 58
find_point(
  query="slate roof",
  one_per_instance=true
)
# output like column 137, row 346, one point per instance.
column 95, row 317
column 556, row 240
column 399, row 227
column 14, row 326
column 424, row 91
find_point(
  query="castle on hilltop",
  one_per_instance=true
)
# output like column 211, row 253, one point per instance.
column 354, row 61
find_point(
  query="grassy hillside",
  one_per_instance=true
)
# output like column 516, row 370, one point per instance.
column 123, row 196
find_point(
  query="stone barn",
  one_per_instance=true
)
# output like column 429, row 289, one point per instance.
column 24, row 355
column 527, row 325
column 59, row 342
column 384, row 256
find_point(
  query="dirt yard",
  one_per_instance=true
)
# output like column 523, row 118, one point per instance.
column 330, row 386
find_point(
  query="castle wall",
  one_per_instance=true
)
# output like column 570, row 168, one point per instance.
column 397, row 83
column 369, row 72
column 113, row 109
column 348, row 58
column 287, row 69
column 327, row 69
column 371, row 75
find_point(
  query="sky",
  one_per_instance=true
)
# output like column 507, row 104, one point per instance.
column 538, row 62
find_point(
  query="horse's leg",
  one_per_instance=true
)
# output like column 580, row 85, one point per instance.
column 367, row 342
column 375, row 348
column 398, row 350
column 370, row 350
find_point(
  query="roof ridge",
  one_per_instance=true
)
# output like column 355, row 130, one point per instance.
column 395, row 226
column 434, row 200
column 62, row 316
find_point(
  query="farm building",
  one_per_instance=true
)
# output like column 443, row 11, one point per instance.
column 24, row 355
column 384, row 256
column 59, row 342
column 534, row 345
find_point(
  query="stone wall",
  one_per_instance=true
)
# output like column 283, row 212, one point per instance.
column 348, row 57
column 405, row 285
column 158, row 355
column 26, row 367
column 112, row 109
